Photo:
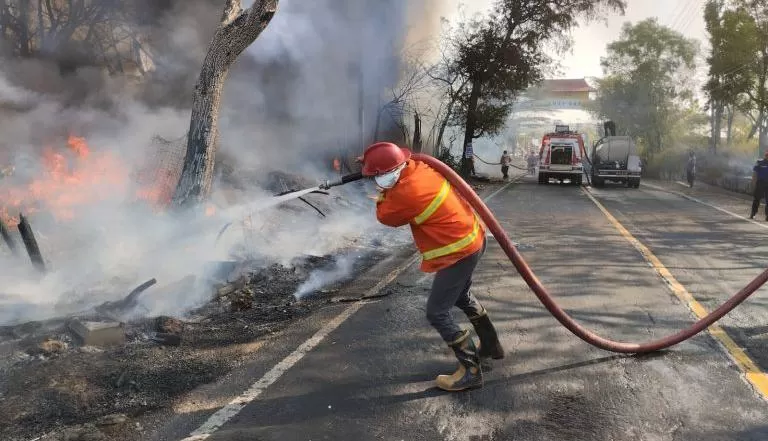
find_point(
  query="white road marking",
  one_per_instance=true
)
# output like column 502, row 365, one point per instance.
column 503, row 187
column 226, row 413
column 720, row 209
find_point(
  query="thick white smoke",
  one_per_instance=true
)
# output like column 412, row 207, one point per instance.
column 292, row 102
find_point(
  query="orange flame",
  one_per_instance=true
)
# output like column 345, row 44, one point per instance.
column 70, row 178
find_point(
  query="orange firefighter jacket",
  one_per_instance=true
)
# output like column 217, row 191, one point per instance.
column 444, row 226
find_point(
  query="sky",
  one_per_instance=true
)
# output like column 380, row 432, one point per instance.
column 685, row 16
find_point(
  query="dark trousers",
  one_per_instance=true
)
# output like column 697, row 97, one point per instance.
column 761, row 192
column 450, row 288
column 505, row 171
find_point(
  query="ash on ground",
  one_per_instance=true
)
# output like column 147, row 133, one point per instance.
column 49, row 382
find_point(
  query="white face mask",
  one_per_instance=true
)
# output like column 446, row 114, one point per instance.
column 388, row 180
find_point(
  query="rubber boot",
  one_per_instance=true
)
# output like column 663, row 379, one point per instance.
column 469, row 375
column 490, row 347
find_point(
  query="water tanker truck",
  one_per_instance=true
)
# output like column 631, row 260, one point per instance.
column 614, row 158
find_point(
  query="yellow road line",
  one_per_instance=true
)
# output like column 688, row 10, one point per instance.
column 752, row 373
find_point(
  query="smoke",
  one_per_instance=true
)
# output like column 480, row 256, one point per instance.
column 341, row 268
column 293, row 101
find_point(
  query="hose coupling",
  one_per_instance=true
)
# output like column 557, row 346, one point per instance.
column 341, row 181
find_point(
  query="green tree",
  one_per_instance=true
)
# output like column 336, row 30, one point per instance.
column 504, row 53
column 754, row 39
column 647, row 82
column 733, row 41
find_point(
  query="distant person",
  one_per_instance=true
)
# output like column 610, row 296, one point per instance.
column 690, row 168
column 506, row 161
column 760, row 185
column 531, row 158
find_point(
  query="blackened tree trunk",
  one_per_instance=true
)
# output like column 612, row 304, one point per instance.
column 469, row 128
column 717, row 122
column 729, row 127
column 417, row 133
column 238, row 29
column 441, row 131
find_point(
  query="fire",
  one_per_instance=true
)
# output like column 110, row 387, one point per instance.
column 158, row 191
column 210, row 210
column 70, row 178
column 78, row 145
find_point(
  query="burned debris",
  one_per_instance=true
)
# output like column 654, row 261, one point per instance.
column 29, row 240
column 116, row 361
column 30, row 243
column 7, row 238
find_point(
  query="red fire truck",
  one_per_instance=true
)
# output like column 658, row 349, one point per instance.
column 561, row 155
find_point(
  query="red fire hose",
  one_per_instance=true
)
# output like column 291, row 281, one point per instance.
column 535, row 284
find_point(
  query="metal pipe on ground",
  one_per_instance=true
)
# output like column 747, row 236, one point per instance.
column 33, row 250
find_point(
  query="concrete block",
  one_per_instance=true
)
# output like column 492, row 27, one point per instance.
column 98, row 333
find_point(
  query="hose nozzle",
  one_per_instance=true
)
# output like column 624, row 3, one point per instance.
column 341, row 181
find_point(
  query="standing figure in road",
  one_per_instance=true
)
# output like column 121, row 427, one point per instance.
column 451, row 240
column 760, row 185
column 690, row 168
column 506, row 160
column 531, row 162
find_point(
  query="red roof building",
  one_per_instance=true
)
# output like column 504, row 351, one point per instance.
column 567, row 86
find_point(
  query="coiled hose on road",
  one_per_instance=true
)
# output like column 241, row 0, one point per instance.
column 546, row 299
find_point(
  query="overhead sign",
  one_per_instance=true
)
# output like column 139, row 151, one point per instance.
column 551, row 104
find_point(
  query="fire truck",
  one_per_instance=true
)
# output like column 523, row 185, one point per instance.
column 561, row 155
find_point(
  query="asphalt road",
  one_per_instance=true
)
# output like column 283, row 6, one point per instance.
column 371, row 377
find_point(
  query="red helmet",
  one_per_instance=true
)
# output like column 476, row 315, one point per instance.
column 383, row 157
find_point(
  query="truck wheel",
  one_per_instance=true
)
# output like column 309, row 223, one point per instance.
column 578, row 180
column 542, row 178
column 636, row 183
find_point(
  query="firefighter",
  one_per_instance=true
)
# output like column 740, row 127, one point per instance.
column 505, row 161
column 451, row 240
column 760, row 185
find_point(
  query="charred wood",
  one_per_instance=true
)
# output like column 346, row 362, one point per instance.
column 8, row 239
column 33, row 250
column 129, row 302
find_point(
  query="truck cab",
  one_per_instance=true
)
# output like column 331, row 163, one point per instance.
column 560, row 156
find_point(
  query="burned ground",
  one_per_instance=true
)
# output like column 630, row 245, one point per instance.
column 46, row 386
column 50, row 383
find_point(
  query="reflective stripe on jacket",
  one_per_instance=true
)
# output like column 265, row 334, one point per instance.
column 444, row 226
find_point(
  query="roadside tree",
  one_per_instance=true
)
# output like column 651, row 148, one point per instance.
column 733, row 39
column 504, row 53
column 238, row 29
column 647, row 84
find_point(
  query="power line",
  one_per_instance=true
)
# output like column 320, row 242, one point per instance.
column 732, row 80
column 673, row 13
column 681, row 16
column 690, row 22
